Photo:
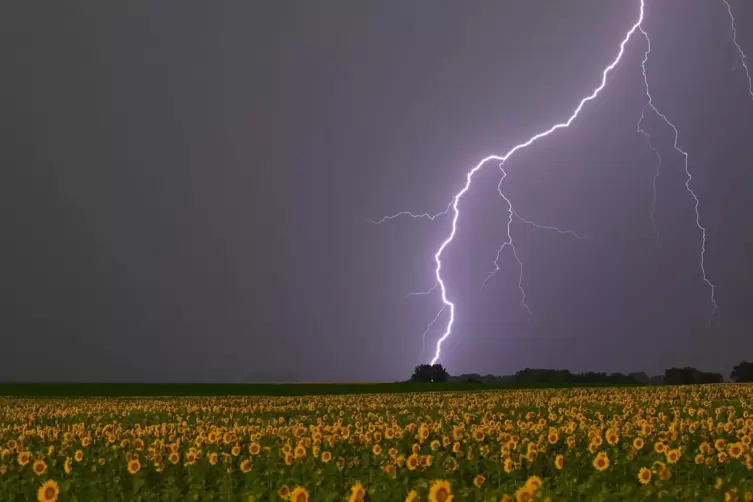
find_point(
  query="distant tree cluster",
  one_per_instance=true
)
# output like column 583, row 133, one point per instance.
column 429, row 373
column 564, row 376
column 437, row 373
column 741, row 373
column 476, row 378
column 690, row 376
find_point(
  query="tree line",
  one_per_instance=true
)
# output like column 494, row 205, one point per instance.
column 741, row 373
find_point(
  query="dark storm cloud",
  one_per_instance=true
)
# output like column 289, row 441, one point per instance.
column 185, row 188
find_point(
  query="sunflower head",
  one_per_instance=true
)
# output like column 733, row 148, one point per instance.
column 39, row 467
column 357, row 492
column 440, row 491
column 601, row 462
column 284, row 491
column 134, row 465
column 533, row 483
column 644, row 476
column 299, row 494
column 48, row 492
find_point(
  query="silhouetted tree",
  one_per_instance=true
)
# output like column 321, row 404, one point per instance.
column 680, row 376
column 421, row 373
column 743, row 372
column 711, row 377
column 438, row 373
column 529, row 375
column 622, row 379
column 690, row 376
column 640, row 377
column 564, row 376
column 656, row 380
column 429, row 373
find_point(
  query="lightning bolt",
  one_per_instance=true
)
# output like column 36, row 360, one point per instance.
column 651, row 146
column 422, row 293
column 427, row 216
column 428, row 328
column 689, row 177
column 509, row 243
column 502, row 159
column 740, row 52
column 553, row 228
column 454, row 209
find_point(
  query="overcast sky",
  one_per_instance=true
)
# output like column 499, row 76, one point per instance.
column 185, row 188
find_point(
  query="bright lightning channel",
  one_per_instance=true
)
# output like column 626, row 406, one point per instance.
column 428, row 328
column 453, row 206
column 501, row 160
column 740, row 52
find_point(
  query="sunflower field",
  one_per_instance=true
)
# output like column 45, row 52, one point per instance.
column 646, row 443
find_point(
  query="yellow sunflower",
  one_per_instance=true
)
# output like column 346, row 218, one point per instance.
column 601, row 462
column 533, row 484
column 523, row 494
column 357, row 492
column 735, row 450
column 644, row 476
column 440, row 491
column 284, row 491
column 299, row 494
column 672, row 455
column 559, row 462
column 48, row 492
column 412, row 462
column 134, row 466
column 39, row 467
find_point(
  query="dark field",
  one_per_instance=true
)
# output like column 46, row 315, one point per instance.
column 265, row 389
